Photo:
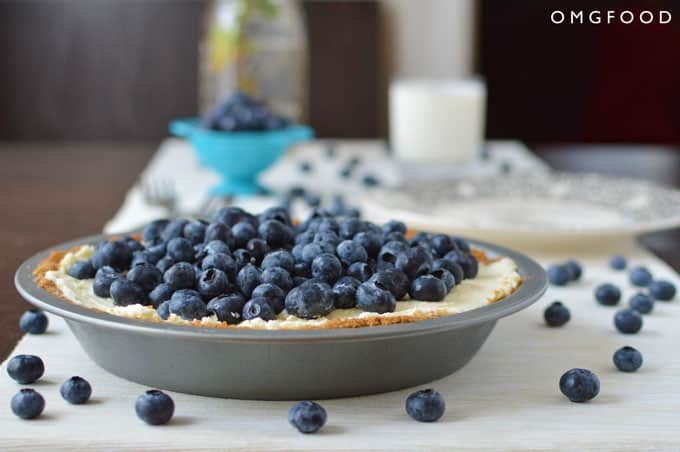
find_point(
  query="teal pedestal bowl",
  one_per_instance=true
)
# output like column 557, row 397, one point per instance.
column 238, row 157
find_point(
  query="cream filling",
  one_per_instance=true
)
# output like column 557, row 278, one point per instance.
column 493, row 282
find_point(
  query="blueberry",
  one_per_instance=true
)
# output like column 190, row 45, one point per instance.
column 180, row 250
column 360, row 270
column 310, row 300
column 393, row 280
column 152, row 231
column 159, row 294
column 415, row 261
column 350, row 252
column 248, row 278
column 227, row 308
column 258, row 249
column 76, row 390
column 212, row 282
column 241, row 233
column 310, row 251
column 346, row 172
column 180, row 276
column 579, row 385
column 617, row 262
column 607, row 294
column 446, row 277
column 217, row 232
column 305, row 166
column 628, row 321
column 25, row 369
column 642, row 303
column 447, row 264
column 350, row 227
column 222, row 262
column 147, row 276
column 81, row 270
column 299, row 280
column 242, row 258
column 556, row 314
column 277, row 276
column 327, row 268
column 275, row 213
column 116, row 254
column 33, row 321
column 307, row 417
column 627, row 359
column 102, row 281
column 425, row 406
column 125, row 292
column 441, row 244
column 662, row 290
column 154, row 407
column 188, row 306
column 371, row 241
column 296, row 191
column 27, row 404
column 194, row 231
column 164, row 264
column 175, row 228
column 574, row 269
column 423, row 239
column 279, row 258
column 312, row 199
column 327, row 237
column 258, row 308
column 370, row 181
column 276, row 234
column 640, row 276
column 163, row 310
column 374, row 298
column 428, row 288
column 338, row 206
column 273, row 293
column 466, row 261
column 558, row 275
column 389, row 251
column 232, row 215
column 345, row 292
column 462, row 245
column 216, row 247
column 394, row 226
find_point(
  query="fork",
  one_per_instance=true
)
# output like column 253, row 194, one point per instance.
column 160, row 193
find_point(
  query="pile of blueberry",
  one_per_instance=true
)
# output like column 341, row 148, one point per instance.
column 563, row 274
column 242, row 266
column 240, row 112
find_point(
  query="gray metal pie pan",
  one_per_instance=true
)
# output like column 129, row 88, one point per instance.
column 282, row 365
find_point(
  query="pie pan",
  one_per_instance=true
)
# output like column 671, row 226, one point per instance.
column 282, row 365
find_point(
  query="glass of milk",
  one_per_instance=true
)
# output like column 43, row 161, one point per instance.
column 437, row 121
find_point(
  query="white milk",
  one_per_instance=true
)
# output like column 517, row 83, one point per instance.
column 437, row 121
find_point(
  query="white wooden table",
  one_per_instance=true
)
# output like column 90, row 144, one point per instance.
column 506, row 398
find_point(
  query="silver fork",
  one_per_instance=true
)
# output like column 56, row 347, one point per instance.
column 160, row 193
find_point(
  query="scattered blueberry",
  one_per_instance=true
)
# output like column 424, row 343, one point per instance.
column 627, row 359
column 617, row 262
column 154, row 407
column 579, row 385
column 27, row 404
column 662, row 290
column 370, row 181
column 81, row 270
column 575, row 270
column 305, row 166
column 558, row 275
column 556, row 314
column 607, row 294
column 33, row 321
column 628, row 321
column 425, row 406
column 642, row 303
column 25, row 369
column 76, row 390
column 640, row 276
column 307, row 417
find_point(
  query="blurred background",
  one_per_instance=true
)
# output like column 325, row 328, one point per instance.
column 87, row 89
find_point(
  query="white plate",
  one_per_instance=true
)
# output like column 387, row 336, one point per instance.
column 541, row 209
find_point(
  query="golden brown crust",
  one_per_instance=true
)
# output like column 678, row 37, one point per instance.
column 53, row 260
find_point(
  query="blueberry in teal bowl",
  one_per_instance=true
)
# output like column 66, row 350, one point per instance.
column 239, row 139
